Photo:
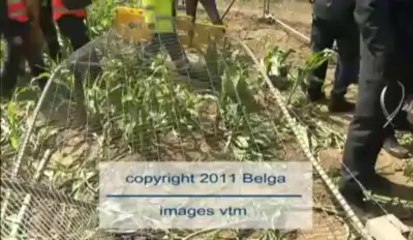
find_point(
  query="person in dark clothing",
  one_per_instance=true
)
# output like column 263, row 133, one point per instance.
column 71, row 23
column 386, row 29
column 15, row 28
column 49, row 29
column 75, row 30
column 333, row 20
column 210, row 7
column 3, row 16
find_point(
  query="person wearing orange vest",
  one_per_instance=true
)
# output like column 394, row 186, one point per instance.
column 15, row 27
column 70, row 20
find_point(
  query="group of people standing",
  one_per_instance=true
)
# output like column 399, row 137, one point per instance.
column 20, row 19
column 375, row 50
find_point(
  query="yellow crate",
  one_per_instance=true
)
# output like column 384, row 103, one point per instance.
column 130, row 24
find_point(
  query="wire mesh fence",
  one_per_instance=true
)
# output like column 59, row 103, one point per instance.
column 36, row 211
column 124, row 97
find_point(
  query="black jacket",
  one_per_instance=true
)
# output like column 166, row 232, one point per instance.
column 386, row 28
column 333, row 9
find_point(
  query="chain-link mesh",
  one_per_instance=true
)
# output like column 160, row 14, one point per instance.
column 193, row 97
column 36, row 211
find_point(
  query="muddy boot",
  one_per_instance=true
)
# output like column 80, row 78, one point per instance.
column 356, row 200
column 340, row 104
column 355, row 197
column 393, row 147
column 316, row 95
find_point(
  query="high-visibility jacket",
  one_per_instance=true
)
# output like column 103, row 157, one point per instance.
column 17, row 10
column 159, row 14
column 60, row 10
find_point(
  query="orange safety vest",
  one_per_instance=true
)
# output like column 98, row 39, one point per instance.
column 60, row 10
column 17, row 10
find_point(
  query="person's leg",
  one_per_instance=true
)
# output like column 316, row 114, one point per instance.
column 75, row 30
column 347, row 69
column 175, row 50
column 49, row 30
column 212, row 11
column 15, row 34
column 86, row 63
column 366, row 131
column 366, row 134
column 182, row 64
column 321, row 38
column 402, row 66
column 191, row 7
column 37, row 65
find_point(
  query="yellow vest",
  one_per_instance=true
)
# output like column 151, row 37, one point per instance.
column 159, row 14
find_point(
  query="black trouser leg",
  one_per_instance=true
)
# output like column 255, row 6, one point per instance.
column 402, row 64
column 75, row 30
column 366, row 134
column 37, row 66
column 49, row 30
column 87, row 62
column 321, row 38
column 347, row 70
column 16, row 34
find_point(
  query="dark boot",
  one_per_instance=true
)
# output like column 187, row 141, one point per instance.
column 315, row 95
column 340, row 104
column 355, row 197
column 393, row 147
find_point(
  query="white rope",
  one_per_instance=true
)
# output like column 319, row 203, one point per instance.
column 390, row 117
